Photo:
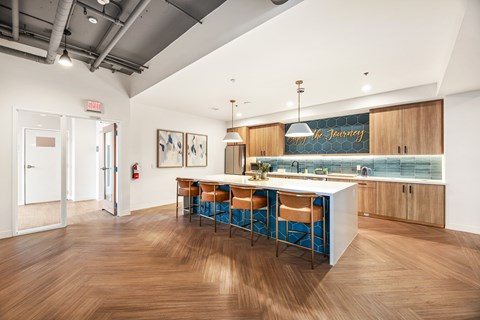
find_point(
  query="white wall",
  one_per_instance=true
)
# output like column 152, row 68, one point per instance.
column 84, row 159
column 462, row 161
column 54, row 89
column 156, row 186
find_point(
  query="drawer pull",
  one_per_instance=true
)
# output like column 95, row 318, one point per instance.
column 406, row 150
column 403, row 189
column 362, row 183
column 399, row 150
column 411, row 189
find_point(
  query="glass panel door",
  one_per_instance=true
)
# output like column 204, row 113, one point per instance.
column 109, row 168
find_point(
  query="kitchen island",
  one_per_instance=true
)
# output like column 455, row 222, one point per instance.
column 340, row 205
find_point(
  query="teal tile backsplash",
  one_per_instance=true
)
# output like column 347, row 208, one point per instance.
column 415, row 167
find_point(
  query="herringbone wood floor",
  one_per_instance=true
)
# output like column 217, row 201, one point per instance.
column 148, row 266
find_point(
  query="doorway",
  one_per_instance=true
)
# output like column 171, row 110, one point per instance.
column 67, row 167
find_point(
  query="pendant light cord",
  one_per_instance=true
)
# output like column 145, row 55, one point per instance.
column 232, row 101
column 299, row 91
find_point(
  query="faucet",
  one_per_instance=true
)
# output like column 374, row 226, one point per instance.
column 293, row 164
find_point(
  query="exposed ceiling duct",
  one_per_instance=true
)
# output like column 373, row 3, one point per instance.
column 127, row 35
column 131, row 19
column 15, row 20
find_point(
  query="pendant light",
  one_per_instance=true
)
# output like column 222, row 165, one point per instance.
column 299, row 129
column 232, row 136
column 64, row 58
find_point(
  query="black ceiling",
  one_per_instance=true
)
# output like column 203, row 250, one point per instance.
column 156, row 28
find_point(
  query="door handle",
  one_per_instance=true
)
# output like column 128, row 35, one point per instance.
column 104, row 168
column 410, row 189
column 30, row 166
column 405, row 150
column 403, row 188
column 399, row 150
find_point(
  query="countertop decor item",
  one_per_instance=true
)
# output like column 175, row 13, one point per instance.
column 263, row 168
column 299, row 129
column 232, row 136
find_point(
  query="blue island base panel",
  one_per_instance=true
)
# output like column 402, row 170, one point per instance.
column 260, row 228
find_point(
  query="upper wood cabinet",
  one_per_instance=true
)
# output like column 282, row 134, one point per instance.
column 267, row 140
column 409, row 129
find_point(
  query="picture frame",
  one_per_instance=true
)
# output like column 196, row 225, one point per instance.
column 170, row 149
column 196, row 150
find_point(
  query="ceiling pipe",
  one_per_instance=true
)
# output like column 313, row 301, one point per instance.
column 15, row 20
column 22, row 54
column 128, row 23
column 101, row 13
column 61, row 17
column 29, row 36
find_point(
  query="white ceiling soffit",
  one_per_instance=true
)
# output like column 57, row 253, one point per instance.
column 329, row 45
column 229, row 21
column 463, row 71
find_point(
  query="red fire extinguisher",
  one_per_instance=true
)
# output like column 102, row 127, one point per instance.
column 135, row 171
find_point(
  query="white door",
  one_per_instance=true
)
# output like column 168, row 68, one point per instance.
column 109, row 168
column 42, row 166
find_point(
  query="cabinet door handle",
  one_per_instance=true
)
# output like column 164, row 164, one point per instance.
column 403, row 188
column 411, row 189
column 399, row 150
column 405, row 150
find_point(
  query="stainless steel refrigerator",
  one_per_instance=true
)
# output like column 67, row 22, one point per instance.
column 235, row 160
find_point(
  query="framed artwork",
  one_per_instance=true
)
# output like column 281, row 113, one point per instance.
column 169, row 149
column 196, row 150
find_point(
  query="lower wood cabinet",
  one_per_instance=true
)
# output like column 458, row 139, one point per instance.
column 419, row 203
column 426, row 204
column 367, row 197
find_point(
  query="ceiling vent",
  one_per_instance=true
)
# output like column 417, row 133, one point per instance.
column 278, row 2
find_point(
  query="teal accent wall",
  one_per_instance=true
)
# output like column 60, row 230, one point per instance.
column 339, row 135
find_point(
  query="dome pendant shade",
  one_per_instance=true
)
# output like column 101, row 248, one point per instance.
column 299, row 129
column 65, row 59
column 232, row 137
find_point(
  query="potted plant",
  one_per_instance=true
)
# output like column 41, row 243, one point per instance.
column 263, row 168
column 321, row 170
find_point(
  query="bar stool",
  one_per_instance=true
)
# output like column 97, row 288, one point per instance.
column 185, row 188
column 211, row 193
column 299, row 207
column 244, row 198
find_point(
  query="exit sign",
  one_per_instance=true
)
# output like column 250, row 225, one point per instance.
column 93, row 106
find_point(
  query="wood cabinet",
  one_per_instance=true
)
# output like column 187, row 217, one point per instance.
column 267, row 140
column 366, row 195
column 408, row 129
column 426, row 204
column 391, row 200
column 419, row 203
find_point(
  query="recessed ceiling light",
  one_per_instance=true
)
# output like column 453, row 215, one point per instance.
column 39, row 125
column 43, row 115
column 215, row 108
column 239, row 114
column 290, row 104
column 92, row 20
column 366, row 87
column 247, row 102
column 103, row 2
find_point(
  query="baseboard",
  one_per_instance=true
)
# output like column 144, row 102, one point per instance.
column 124, row 213
column 6, row 234
column 464, row 228
column 141, row 206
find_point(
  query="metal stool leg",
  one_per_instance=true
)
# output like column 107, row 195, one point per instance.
column 176, row 216
column 312, row 231
column 276, row 224
column 268, row 217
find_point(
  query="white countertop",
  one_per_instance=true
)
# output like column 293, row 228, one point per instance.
column 354, row 177
column 327, row 188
